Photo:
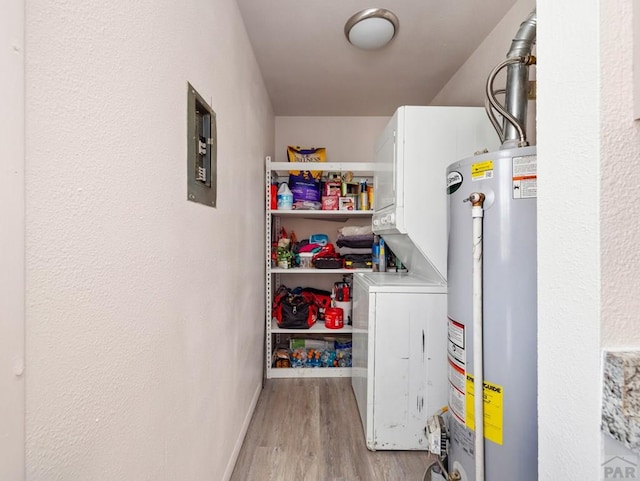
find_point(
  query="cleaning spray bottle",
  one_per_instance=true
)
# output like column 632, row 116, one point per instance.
column 363, row 198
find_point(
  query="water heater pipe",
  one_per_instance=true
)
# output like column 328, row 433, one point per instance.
column 492, row 102
column 477, row 213
column 518, row 77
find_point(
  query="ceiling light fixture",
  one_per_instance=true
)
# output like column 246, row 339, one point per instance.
column 371, row 28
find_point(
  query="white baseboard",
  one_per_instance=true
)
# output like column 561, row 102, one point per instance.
column 243, row 432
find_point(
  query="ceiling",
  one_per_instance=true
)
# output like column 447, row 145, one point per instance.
column 310, row 69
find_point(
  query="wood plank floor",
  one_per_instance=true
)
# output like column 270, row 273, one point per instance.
column 310, row 429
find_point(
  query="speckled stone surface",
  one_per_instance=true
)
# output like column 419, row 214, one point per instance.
column 621, row 398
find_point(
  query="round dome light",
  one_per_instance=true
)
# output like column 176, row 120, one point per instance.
column 372, row 28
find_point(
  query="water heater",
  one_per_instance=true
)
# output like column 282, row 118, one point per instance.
column 507, row 181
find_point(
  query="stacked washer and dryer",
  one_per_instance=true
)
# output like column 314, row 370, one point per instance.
column 399, row 373
column 463, row 320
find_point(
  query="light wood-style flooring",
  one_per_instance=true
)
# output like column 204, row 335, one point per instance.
column 310, row 429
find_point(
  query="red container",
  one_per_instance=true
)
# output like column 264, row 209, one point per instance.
column 334, row 318
column 273, row 194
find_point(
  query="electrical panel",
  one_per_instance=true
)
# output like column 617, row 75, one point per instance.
column 202, row 150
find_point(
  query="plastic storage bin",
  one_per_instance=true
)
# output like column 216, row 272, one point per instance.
column 305, row 259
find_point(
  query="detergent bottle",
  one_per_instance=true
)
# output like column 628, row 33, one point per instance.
column 284, row 197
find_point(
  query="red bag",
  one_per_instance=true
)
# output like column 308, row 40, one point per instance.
column 327, row 258
column 294, row 311
column 321, row 297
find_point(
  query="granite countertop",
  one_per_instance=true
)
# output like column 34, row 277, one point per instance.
column 621, row 398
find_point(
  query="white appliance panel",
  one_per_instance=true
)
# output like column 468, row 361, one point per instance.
column 399, row 282
column 384, row 182
column 399, row 358
column 411, row 158
column 361, row 312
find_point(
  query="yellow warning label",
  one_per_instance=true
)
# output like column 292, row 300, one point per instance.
column 492, row 394
column 482, row 170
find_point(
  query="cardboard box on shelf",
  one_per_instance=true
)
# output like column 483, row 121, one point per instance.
column 331, row 188
column 330, row 202
column 347, row 203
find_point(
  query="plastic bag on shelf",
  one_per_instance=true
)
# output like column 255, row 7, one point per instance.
column 343, row 352
column 299, row 357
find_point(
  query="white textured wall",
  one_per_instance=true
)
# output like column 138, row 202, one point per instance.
column 144, row 311
column 620, row 139
column 12, row 241
column 347, row 139
column 569, row 207
column 620, row 147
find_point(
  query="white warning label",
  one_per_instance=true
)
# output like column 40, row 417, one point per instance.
column 456, row 344
column 457, row 377
column 525, row 177
column 456, row 333
column 456, row 367
column 457, row 405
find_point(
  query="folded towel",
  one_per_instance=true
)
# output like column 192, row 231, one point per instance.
column 356, row 241
column 351, row 230
column 354, row 250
